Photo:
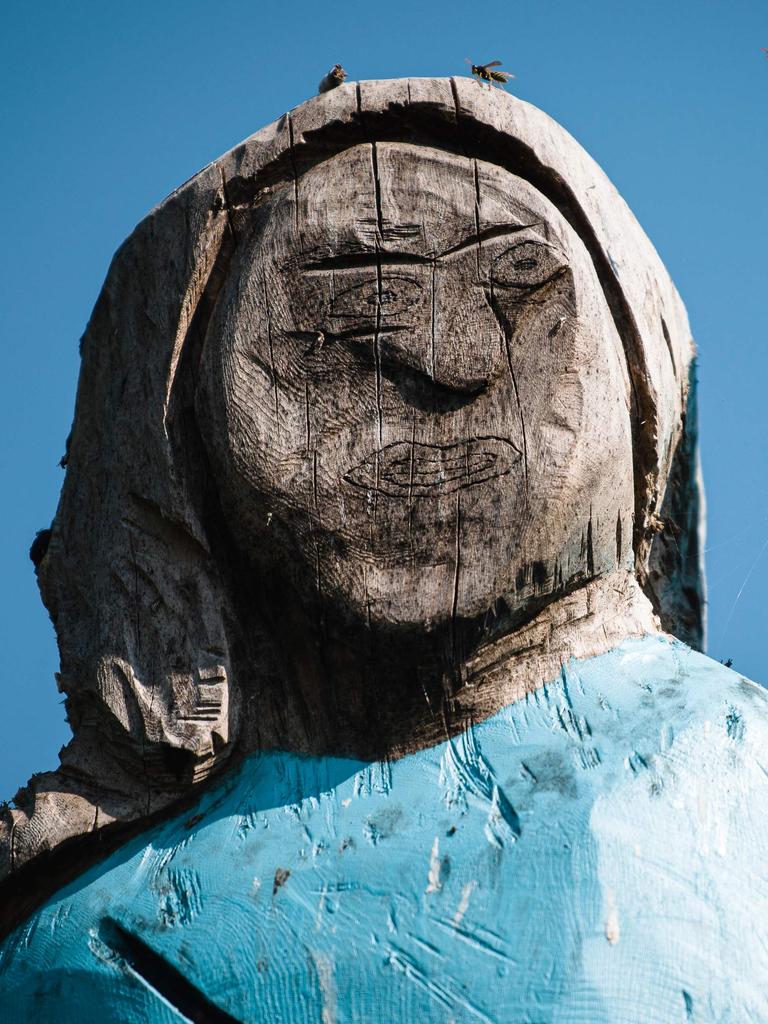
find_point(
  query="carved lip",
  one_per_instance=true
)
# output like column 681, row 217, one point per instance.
column 411, row 469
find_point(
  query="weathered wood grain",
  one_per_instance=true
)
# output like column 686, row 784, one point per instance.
column 387, row 392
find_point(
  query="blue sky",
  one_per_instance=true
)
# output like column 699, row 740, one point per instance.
column 106, row 107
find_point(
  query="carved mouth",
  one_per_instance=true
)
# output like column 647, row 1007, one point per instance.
column 408, row 469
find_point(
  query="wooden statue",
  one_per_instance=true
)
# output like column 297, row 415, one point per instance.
column 381, row 506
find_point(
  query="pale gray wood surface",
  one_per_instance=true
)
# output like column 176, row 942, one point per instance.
column 384, row 400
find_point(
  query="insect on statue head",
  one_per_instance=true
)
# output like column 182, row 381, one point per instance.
column 382, row 416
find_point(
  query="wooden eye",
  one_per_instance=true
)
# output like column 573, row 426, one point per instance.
column 527, row 265
column 363, row 300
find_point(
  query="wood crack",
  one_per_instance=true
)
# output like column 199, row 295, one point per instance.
column 294, row 171
column 456, row 573
column 432, row 338
column 506, row 335
column 477, row 216
column 161, row 976
column 227, row 207
column 377, row 335
column 273, row 370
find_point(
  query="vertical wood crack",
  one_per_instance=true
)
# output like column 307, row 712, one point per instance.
column 477, row 216
column 506, row 335
column 294, row 172
column 268, row 309
column 432, row 343
column 456, row 573
column 227, row 208
column 377, row 334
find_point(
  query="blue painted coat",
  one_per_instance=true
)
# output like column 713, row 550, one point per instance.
column 593, row 853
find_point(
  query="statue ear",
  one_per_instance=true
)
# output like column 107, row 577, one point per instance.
column 675, row 580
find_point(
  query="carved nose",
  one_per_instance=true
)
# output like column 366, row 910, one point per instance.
column 459, row 349
column 464, row 380
column 468, row 344
column 446, row 374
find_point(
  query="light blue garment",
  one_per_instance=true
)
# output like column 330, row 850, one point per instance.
column 593, row 854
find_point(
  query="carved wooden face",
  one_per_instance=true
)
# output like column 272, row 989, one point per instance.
column 413, row 393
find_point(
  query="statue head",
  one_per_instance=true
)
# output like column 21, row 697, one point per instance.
column 369, row 392
column 413, row 393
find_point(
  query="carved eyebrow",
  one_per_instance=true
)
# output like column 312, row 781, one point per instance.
column 361, row 258
column 487, row 234
column 355, row 256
